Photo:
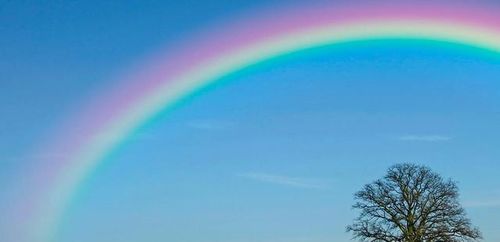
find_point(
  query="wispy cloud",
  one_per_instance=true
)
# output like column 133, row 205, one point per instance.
column 425, row 138
column 38, row 157
column 482, row 203
column 289, row 239
column 210, row 124
column 285, row 180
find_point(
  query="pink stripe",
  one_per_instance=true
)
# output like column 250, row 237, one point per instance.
column 105, row 107
column 161, row 69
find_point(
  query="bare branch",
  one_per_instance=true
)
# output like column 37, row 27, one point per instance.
column 411, row 204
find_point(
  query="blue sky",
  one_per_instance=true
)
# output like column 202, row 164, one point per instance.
column 273, row 153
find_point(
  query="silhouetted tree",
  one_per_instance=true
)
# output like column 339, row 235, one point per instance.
column 411, row 204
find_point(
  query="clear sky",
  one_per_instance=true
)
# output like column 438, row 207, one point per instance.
column 273, row 154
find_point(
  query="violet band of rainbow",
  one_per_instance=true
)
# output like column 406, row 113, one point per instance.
column 103, row 124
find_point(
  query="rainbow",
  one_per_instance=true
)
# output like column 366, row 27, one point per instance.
column 100, row 126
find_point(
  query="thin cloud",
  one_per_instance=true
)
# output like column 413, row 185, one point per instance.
column 425, row 138
column 292, row 239
column 285, row 180
column 210, row 124
column 482, row 204
column 38, row 157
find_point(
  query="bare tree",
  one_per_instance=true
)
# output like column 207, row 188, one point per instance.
column 411, row 204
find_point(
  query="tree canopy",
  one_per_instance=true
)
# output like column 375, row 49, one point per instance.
column 411, row 203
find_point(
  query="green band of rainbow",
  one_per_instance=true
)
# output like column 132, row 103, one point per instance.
column 128, row 107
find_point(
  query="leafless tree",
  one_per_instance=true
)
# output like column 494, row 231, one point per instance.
column 411, row 204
